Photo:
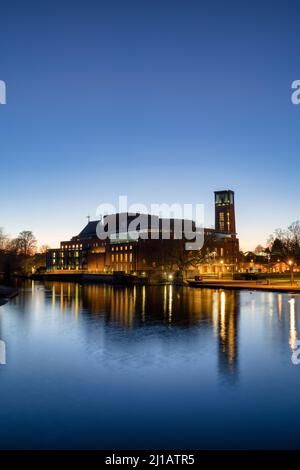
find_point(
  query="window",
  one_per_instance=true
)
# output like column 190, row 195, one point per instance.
column 221, row 221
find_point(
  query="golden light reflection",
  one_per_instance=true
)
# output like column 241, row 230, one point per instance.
column 53, row 295
column 170, row 303
column 279, row 305
column 143, row 302
column 76, row 301
column 222, row 313
column 228, row 330
column 165, row 301
column 215, row 310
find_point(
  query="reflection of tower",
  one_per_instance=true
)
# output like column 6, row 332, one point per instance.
column 227, row 332
column 224, row 212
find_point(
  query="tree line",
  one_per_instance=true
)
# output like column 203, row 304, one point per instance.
column 282, row 246
column 20, row 255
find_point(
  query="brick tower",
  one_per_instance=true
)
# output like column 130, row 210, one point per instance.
column 224, row 212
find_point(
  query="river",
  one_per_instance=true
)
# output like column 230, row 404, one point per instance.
column 165, row 367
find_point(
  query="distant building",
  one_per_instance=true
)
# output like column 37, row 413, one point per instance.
column 119, row 252
column 264, row 262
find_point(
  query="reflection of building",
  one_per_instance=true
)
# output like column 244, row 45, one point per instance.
column 136, row 306
column 228, row 332
column 150, row 251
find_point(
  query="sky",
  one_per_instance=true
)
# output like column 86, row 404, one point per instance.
column 162, row 101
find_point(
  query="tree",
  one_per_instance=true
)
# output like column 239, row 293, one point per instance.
column 177, row 256
column 43, row 249
column 25, row 243
column 3, row 239
column 259, row 249
column 285, row 244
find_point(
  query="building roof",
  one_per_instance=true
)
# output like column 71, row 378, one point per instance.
column 122, row 223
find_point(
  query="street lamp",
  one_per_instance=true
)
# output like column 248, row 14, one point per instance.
column 291, row 263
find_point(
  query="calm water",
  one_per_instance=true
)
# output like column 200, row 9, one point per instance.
column 149, row 367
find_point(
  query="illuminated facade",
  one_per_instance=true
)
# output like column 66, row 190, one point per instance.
column 119, row 252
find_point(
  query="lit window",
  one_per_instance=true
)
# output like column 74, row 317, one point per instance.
column 221, row 221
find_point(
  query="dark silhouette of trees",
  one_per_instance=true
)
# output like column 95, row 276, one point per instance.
column 25, row 243
column 284, row 245
column 18, row 256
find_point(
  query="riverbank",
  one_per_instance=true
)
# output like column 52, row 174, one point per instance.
column 247, row 285
column 8, row 292
column 101, row 278
column 271, row 285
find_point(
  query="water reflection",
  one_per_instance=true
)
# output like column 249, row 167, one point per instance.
column 228, row 333
column 215, row 311
column 140, row 306
column 293, row 326
column 176, row 364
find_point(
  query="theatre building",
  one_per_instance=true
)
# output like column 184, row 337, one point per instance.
column 147, row 250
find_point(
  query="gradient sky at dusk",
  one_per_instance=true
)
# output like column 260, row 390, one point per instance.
column 165, row 101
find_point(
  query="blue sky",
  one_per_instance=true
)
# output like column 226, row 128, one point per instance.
column 164, row 101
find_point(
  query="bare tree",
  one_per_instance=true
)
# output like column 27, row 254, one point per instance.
column 43, row 249
column 259, row 249
column 177, row 256
column 285, row 244
column 25, row 243
column 3, row 239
